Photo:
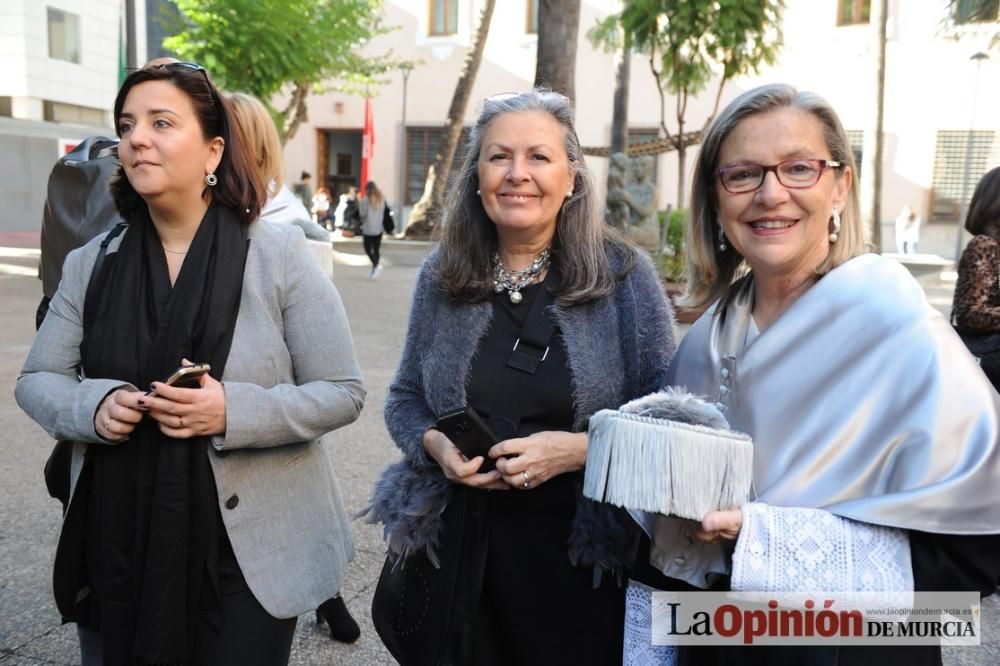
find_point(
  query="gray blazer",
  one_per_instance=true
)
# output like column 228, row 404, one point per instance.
column 291, row 377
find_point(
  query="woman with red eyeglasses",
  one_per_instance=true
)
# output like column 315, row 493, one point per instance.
column 203, row 518
column 875, row 435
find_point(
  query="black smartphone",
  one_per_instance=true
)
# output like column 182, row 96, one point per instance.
column 186, row 376
column 470, row 434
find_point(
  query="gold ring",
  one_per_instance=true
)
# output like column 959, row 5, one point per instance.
column 525, row 475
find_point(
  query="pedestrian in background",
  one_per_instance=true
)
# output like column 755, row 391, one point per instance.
column 876, row 452
column 321, row 207
column 202, row 521
column 530, row 571
column 907, row 227
column 372, row 211
column 303, row 189
column 976, row 306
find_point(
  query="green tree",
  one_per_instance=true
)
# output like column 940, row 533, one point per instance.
column 263, row 47
column 688, row 42
column 426, row 212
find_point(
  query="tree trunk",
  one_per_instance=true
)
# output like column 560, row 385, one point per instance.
column 618, row 217
column 295, row 113
column 555, row 62
column 619, row 118
column 682, row 97
column 871, row 185
column 426, row 213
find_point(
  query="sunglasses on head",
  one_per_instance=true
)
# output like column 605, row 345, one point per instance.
column 501, row 97
column 177, row 66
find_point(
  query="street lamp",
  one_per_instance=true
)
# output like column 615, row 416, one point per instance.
column 978, row 58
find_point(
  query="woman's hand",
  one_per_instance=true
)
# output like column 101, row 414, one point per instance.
column 527, row 462
column 118, row 415
column 188, row 412
column 456, row 466
column 719, row 526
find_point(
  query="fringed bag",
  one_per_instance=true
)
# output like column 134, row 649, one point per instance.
column 668, row 453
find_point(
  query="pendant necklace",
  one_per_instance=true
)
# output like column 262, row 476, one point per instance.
column 512, row 282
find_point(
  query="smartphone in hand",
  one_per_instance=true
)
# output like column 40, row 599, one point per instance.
column 470, row 434
column 186, row 376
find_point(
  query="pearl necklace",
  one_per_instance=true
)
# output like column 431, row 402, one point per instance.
column 514, row 281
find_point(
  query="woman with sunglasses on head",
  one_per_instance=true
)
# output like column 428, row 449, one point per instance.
column 203, row 520
column 533, row 314
column 875, row 435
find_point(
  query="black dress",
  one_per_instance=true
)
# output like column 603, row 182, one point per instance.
column 535, row 607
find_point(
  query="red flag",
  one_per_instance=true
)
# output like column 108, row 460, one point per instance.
column 367, row 145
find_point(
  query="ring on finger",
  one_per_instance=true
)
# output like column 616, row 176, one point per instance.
column 525, row 475
column 107, row 424
column 180, row 421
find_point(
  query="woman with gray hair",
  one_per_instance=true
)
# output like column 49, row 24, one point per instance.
column 875, row 434
column 528, row 318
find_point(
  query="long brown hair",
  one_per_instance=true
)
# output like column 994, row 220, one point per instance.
column 583, row 244
column 373, row 194
column 238, row 187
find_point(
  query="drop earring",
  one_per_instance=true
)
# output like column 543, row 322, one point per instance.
column 835, row 234
column 723, row 246
column 211, row 180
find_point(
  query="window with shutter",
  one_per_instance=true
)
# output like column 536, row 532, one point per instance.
column 951, row 155
column 421, row 146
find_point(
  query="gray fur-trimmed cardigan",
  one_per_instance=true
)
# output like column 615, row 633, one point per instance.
column 617, row 348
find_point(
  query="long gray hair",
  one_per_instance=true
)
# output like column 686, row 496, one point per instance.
column 711, row 271
column 583, row 244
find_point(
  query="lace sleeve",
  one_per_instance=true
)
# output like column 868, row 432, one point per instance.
column 786, row 549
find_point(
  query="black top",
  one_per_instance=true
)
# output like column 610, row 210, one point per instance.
column 550, row 406
column 534, row 606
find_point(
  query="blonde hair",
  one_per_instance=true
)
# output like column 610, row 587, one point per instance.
column 712, row 272
column 259, row 134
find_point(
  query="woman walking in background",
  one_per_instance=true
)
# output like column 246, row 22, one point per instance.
column 372, row 210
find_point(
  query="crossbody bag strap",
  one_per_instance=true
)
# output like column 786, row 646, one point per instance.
column 529, row 351
column 115, row 232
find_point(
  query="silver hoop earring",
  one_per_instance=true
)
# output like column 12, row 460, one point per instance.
column 211, row 180
column 723, row 246
column 835, row 234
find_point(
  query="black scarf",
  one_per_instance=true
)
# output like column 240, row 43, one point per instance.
column 152, row 523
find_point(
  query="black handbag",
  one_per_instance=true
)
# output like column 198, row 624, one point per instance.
column 388, row 224
column 986, row 348
column 58, row 466
column 424, row 614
